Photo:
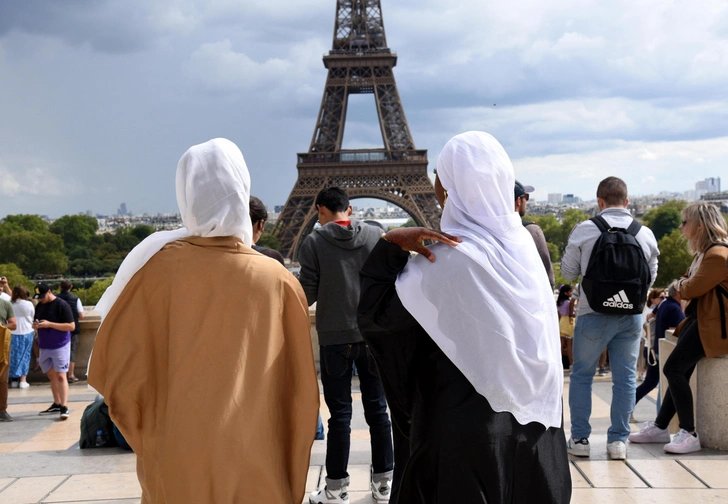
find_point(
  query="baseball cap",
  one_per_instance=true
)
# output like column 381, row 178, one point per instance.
column 41, row 289
column 522, row 189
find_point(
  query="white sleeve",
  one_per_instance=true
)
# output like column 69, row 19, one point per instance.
column 79, row 306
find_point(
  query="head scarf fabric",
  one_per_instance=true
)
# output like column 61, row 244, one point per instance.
column 213, row 195
column 487, row 303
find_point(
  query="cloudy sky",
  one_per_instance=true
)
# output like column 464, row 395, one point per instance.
column 100, row 98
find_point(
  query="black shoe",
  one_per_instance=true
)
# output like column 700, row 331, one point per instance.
column 55, row 408
column 65, row 413
column 4, row 417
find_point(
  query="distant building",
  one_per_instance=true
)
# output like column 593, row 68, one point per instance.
column 278, row 208
column 712, row 185
column 570, row 199
column 554, row 199
column 122, row 210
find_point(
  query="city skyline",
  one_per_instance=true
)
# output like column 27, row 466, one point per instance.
column 98, row 111
column 370, row 203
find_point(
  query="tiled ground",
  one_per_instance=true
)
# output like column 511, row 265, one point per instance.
column 40, row 461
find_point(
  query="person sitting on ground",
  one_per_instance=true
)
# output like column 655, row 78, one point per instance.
column 213, row 387
column 704, row 333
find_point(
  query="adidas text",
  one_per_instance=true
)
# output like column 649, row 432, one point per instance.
column 619, row 300
column 618, row 304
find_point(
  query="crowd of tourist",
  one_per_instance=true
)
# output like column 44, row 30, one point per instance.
column 459, row 346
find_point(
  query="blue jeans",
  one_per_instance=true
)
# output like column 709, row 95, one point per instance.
column 620, row 335
column 336, row 371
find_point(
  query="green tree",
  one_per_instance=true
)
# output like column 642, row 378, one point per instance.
column 554, row 252
column 15, row 276
column 14, row 223
column 664, row 219
column 269, row 241
column 550, row 226
column 410, row 223
column 34, row 252
column 76, row 230
column 92, row 295
column 571, row 218
column 674, row 259
column 141, row 232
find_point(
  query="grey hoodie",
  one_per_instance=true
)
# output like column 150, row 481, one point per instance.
column 330, row 259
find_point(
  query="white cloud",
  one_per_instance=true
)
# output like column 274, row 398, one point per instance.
column 21, row 178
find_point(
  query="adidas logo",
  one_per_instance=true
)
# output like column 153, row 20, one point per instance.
column 619, row 300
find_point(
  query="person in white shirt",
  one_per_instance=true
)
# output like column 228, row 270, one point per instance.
column 21, row 345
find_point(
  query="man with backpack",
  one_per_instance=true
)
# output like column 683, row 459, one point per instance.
column 78, row 313
column 617, row 260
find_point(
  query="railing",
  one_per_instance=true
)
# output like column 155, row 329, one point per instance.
column 361, row 157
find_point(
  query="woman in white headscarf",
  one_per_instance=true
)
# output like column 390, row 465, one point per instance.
column 204, row 355
column 468, row 345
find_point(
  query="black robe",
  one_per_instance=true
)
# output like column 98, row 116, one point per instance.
column 450, row 446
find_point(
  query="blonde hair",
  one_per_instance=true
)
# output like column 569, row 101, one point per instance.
column 714, row 228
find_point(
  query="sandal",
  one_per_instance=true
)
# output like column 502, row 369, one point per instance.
column 72, row 379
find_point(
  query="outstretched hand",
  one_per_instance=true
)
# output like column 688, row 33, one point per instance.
column 411, row 239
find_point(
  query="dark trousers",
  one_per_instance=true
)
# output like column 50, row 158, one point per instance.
column 652, row 380
column 336, row 368
column 678, row 369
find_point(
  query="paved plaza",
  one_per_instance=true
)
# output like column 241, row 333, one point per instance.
column 40, row 461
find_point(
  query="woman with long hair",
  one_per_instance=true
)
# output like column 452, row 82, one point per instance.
column 704, row 333
column 22, row 342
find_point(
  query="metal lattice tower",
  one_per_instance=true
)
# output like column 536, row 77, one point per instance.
column 359, row 62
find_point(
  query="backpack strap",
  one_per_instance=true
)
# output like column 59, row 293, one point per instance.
column 601, row 223
column 717, row 244
column 634, row 228
column 527, row 222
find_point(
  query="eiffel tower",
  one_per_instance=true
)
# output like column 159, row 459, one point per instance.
column 359, row 62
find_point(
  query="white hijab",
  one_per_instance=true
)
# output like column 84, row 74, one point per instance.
column 487, row 303
column 213, row 195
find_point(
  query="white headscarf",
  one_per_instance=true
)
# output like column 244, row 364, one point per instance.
column 213, row 195
column 487, row 303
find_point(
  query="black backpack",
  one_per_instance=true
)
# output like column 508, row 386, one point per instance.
column 618, row 276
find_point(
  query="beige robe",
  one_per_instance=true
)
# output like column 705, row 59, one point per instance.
column 205, row 362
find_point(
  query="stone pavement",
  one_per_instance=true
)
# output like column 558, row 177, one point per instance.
column 40, row 461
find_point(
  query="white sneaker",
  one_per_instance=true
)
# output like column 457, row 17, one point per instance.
column 578, row 447
column 326, row 496
column 617, row 450
column 684, row 442
column 382, row 490
column 650, row 433
column 13, row 384
column 23, row 384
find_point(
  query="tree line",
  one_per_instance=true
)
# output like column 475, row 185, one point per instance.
column 32, row 249
column 71, row 246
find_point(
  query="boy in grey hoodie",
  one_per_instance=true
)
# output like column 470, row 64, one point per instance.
column 330, row 259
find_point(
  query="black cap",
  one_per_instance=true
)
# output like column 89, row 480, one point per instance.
column 522, row 189
column 41, row 289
